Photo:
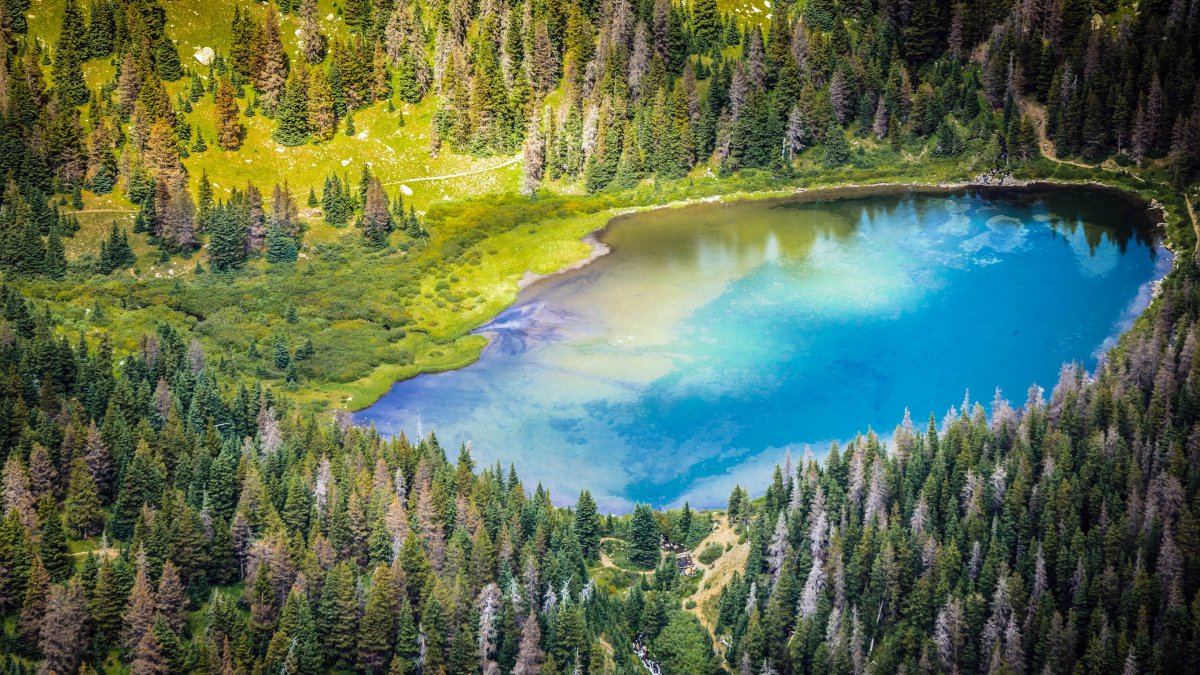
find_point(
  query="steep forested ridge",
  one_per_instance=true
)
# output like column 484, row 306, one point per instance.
column 164, row 510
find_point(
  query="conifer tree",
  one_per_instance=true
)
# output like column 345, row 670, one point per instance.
column 204, row 200
column 148, row 656
column 170, row 601
column 229, row 130
column 269, row 63
column 322, row 123
column 85, row 516
column 55, row 265
column 280, row 247
column 292, row 117
column 376, row 219
column 837, row 150
column 53, row 548
column 377, row 630
column 587, row 526
column 100, row 31
column 226, row 246
column 69, row 53
column 646, row 536
column 64, row 630
column 337, row 617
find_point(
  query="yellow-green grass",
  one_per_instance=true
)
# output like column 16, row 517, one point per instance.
column 752, row 11
column 394, row 152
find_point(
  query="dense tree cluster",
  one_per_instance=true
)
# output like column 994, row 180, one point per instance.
column 348, row 550
column 643, row 88
column 1061, row 536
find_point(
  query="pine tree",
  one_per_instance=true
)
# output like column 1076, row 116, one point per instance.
column 837, row 150
column 148, row 657
column 139, row 614
column 204, row 200
column 357, row 14
column 283, row 211
column 315, row 41
column 322, row 122
column 69, row 53
column 377, row 630
column 292, row 117
column 166, row 59
column 33, row 606
column 337, row 616
column 297, row 621
column 283, row 356
column 229, row 130
column 376, row 219
column 529, row 656
column 226, row 246
column 55, row 265
column 53, row 548
column 64, row 630
column 85, row 516
column 280, row 247
column 587, row 526
column 269, row 63
column 99, row 42
column 646, row 536
column 533, row 158
column 170, row 601
column 707, row 26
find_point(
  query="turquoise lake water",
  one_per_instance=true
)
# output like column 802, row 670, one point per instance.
column 714, row 338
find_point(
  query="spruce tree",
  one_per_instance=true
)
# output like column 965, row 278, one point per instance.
column 645, row 538
column 322, row 122
column 55, row 265
column 837, row 149
column 229, row 130
column 280, row 247
column 377, row 630
column 376, row 219
column 53, row 547
column 69, row 53
column 292, row 117
column 226, row 246
column 85, row 516
column 587, row 526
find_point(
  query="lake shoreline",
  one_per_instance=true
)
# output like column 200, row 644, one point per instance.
column 597, row 248
column 539, row 316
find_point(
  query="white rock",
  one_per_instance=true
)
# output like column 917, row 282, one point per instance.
column 329, row 16
column 345, row 162
column 405, row 189
column 362, row 136
column 280, row 149
column 205, row 55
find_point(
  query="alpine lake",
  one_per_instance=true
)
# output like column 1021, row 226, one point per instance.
column 712, row 339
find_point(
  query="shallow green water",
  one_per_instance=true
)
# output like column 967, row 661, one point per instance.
column 715, row 337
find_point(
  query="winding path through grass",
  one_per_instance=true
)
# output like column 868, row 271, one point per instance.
column 719, row 573
column 462, row 174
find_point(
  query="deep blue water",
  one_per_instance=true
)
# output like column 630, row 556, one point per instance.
column 715, row 337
